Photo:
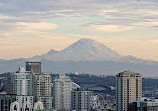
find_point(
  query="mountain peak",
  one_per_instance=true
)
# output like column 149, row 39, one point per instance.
column 86, row 50
column 86, row 41
column 90, row 44
column 52, row 51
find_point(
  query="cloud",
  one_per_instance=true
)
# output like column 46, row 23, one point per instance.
column 5, row 34
column 154, row 41
column 5, row 17
column 118, row 15
column 114, row 11
column 7, row 44
column 23, row 29
column 35, row 26
column 58, row 20
column 110, row 28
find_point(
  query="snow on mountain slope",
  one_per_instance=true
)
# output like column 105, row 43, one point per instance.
column 85, row 50
column 85, row 56
column 41, row 57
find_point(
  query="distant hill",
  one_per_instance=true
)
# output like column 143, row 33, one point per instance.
column 86, row 56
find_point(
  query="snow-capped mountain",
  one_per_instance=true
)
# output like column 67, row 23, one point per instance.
column 85, row 56
column 85, row 50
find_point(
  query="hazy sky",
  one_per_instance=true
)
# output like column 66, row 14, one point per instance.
column 33, row 27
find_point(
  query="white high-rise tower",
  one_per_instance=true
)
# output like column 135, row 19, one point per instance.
column 22, row 86
column 62, row 87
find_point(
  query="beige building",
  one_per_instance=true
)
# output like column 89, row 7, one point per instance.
column 129, row 88
column 43, row 90
column 80, row 100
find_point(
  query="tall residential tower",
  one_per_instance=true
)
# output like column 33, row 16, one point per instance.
column 62, row 87
column 129, row 88
column 23, row 87
column 43, row 90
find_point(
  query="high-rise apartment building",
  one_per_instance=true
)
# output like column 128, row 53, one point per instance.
column 34, row 67
column 43, row 89
column 23, row 85
column 129, row 88
column 62, row 87
column 80, row 100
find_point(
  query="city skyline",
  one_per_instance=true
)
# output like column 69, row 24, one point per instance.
column 33, row 90
column 33, row 28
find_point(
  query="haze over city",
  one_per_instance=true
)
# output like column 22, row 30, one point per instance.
column 35, row 27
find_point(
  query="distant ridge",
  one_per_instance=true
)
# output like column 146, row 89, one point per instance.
column 85, row 50
column 86, row 56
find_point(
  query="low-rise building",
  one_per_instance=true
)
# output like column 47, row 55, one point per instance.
column 6, row 100
column 144, row 104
